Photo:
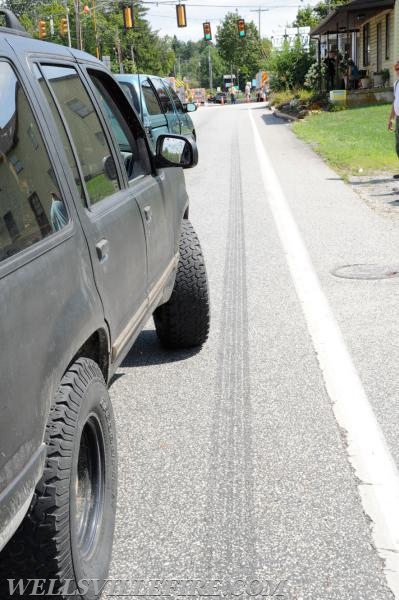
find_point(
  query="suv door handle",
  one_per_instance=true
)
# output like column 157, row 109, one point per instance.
column 102, row 249
column 148, row 213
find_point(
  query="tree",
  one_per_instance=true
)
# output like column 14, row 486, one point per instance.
column 309, row 16
column 210, row 53
column 243, row 56
column 289, row 65
column 30, row 13
column 306, row 17
column 323, row 8
column 102, row 33
column 266, row 47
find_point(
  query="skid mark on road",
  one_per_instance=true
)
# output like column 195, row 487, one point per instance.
column 230, row 536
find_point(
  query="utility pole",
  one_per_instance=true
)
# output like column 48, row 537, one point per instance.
column 133, row 58
column 259, row 11
column 93, row 12
column 65, row 3
column 210, row 70
column 119, row 51
column 76, row 4
column 69, row 29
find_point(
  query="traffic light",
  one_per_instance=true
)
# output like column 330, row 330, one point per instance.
column 181, row 15
column 128, row 17
column 207, row 31
column 42, row 29
column 64, row 26
column 241, row 28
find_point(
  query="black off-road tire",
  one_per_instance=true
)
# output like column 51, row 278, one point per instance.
column 68, row 532
column 183, row 321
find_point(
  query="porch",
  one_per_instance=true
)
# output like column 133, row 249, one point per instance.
column 362, row 97
column 364, row 31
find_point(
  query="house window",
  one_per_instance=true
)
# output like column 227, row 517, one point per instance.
column 379, row 47
column 387, row 35
column 366, row 44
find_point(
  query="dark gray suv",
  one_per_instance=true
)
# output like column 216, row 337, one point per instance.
column 94, row 238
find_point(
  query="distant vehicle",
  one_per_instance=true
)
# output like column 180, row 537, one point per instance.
column 218, row 97
column 158, row 105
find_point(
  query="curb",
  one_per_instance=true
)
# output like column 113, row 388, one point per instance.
column 284, row 116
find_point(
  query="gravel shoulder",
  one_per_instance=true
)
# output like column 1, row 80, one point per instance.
column 379, row 191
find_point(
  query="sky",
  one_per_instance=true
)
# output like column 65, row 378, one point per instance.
column 275, row 15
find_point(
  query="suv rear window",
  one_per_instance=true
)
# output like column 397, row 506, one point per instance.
column 163, row 95
column 31, row 207
column 151, row 100
column 176, row 99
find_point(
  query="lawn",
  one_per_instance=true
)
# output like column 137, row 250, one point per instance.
column 99, row 187
column 352, row 141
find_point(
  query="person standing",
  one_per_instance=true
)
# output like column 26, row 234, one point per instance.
column 232, row 94
column 58, row 213
column 394, row 114
column 329, row 62
column 248, row 92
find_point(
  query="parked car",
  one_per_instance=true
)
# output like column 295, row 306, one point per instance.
column 158, row 105
column 219, row 98
column 94, row 238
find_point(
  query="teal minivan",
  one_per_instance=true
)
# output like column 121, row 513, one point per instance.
column 158, row 105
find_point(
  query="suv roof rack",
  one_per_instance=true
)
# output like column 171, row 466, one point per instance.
column 12, row 21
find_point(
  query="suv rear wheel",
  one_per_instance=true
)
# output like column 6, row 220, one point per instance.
column 183, row 321
column 68, row 532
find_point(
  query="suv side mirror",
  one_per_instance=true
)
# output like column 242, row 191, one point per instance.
column 190, row 107
column 175, row 151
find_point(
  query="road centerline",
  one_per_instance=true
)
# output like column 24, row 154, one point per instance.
column 366, row 446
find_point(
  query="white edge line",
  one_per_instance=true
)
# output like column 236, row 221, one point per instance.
column 366, row 446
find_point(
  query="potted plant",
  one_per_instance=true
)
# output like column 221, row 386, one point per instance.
column 385, row 74
column 364, row 80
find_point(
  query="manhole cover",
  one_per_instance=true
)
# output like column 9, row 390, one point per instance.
column 366, row 272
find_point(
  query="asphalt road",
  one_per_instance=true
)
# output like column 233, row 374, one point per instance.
column 234, row 471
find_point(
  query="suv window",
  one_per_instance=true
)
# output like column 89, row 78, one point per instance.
column 31, row 207
column 85, row 129
column 151, row 100
column 176, row 99
column 61, row 128
column 127, row 134
column 131, row 93
column 163, row 96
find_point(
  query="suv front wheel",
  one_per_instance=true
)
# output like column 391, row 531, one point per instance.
column 68, row 532
column 183, row 321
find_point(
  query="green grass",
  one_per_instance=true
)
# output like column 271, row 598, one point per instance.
column 352, row 140
column 98, row 187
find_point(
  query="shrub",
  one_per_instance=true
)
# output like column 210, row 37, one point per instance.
column 286, row 96
column 315, row 75
column 289, row 66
